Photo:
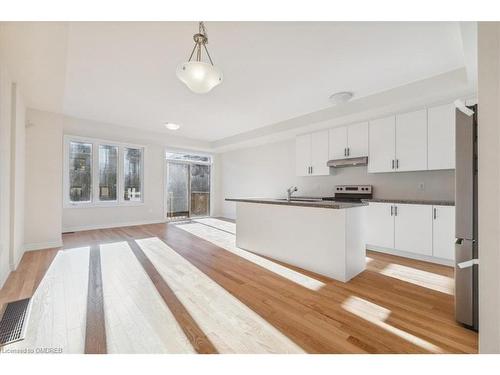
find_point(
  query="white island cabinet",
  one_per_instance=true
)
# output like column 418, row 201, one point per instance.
column 326, row 238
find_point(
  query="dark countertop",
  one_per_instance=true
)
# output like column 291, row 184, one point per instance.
column 411, row 201
column 284, row 202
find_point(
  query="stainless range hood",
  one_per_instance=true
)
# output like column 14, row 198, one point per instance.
column 349, row 162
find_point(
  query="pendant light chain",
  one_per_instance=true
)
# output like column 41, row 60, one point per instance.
column 200, row 39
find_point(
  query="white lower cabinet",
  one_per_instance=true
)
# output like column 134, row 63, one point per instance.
column 379, row 228
column 422, row 230
column 413, row 228
column 443, row 240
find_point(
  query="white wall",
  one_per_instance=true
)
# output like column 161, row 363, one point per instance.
column 5, row 149
column 43, row 192
column 268, row 170
column 12, row 146
column 100, row 217
column 17, row 181
column 489, row 186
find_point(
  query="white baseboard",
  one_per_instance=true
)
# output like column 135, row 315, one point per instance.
column 404, row 254
column 114, row 225
column 42, row 245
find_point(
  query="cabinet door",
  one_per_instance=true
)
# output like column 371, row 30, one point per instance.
column 411, row 141
column 441, row 137
column 357, row 140
column 319, row 153
column 303, row 155
column 413, row 228
column 338, row 143
column 443, row 232
column 379, row 225
column 381, row 145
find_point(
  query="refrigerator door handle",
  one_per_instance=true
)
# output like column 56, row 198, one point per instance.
column 468, row 263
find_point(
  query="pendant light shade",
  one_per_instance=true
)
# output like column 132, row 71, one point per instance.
column 200, row 77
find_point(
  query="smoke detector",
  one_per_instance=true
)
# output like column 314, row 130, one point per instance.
column 341, row 97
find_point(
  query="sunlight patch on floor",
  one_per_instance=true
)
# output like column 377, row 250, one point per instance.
column 219, row 224
column 137, row 319
column 230, row 325
column 425, row 279
column 377, row 315
column 227, row 241
column 59, row 305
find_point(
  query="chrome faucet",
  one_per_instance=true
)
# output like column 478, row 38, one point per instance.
column 290, row 191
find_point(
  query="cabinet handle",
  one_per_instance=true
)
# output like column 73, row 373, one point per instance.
column 392, row 163
column 397, row 163
column 348, row 151
column 392, row 210
column 311, row 169
column 435, row 213
column 345, row 151
column 395, row 210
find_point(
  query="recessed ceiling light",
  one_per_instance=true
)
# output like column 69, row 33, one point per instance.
column 172, row 126
column 341, row 97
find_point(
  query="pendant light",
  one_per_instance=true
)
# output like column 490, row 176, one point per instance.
column 199, row 76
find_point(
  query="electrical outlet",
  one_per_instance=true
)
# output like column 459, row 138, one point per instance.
column 421, row 186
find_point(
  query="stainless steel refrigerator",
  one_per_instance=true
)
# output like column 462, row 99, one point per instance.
column 466, row 244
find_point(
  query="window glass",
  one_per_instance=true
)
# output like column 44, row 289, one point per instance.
column 80, row 172
column 188, row 157
column 108, row 170
column 132, row 174
column 200, row 189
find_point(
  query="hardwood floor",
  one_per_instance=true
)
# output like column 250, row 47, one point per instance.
column 95, row 334
column 186, row 288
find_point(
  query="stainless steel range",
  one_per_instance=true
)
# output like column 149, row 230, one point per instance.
column 353, row 193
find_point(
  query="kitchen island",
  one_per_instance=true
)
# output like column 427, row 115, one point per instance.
column 325, row 237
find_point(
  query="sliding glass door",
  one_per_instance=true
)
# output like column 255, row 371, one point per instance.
column 188, row 186
column 177, row 190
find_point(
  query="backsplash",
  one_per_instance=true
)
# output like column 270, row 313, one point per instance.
column 435, row 185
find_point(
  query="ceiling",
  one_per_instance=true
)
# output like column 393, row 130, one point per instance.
column 124, row 72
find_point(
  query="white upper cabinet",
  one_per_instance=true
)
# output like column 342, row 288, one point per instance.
column 441, row 137
column 303, row 155
column 443, row 245
column 338, row 143
column 357, row 140
column 349, row 141
column 319, row 153
column 311, row 154
column 382, row 145
column 411, row 141
column 413, row 228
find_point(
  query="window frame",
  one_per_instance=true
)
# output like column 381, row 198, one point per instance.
column 95, row 201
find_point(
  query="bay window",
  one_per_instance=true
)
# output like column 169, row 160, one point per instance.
column 102, row 173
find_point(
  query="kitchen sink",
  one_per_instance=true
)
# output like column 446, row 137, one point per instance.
column 301, row 199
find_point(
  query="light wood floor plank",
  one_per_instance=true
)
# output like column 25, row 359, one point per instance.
column 137, row 319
